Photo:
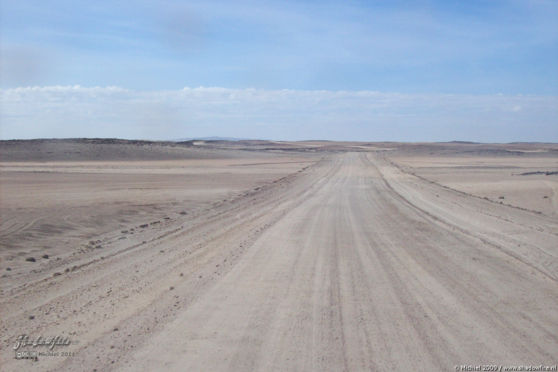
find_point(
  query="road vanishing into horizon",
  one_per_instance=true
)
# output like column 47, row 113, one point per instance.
column 350, row 264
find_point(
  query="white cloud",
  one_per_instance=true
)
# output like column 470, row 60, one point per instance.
column 75, row 111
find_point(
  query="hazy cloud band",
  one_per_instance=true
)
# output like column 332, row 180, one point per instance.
column 75, row 111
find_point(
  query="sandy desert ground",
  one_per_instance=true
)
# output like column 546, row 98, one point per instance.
column 258, row 255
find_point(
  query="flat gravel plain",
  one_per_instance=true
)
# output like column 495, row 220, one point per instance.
column 348, row 263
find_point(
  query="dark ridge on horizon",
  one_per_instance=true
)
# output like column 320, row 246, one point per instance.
column 216, row 139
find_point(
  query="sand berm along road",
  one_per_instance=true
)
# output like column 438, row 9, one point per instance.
column 347, row 265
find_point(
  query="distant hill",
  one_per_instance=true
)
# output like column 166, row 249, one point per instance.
column 215, row 138
column 465, row 142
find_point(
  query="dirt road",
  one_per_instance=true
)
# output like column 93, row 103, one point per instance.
column 348, row 265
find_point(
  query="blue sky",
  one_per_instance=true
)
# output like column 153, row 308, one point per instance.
column 402, row 70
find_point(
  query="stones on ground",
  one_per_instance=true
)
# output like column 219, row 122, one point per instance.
column 30, row 259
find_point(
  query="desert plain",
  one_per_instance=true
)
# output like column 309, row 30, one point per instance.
column 263, row 255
